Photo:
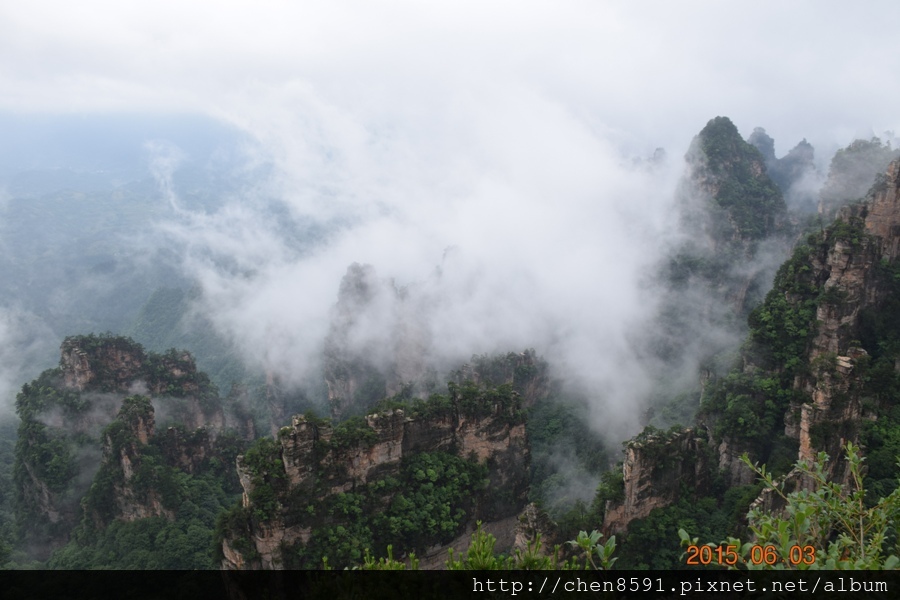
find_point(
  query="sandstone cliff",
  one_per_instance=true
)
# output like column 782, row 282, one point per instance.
column 299, row 492
column 658, row 468
column 813, row 371
column 64, row 434
column 855, row 264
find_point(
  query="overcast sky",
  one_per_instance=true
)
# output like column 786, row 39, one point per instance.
column 505, row 130
column 644, row 73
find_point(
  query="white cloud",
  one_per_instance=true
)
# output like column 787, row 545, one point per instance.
column 645, row 71
column 502, row 129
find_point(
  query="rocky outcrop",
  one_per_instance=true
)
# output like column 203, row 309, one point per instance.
column 123, row 453
column 340, row 467
column 107, row 363
column 882, row 213
column 376, row 344
column 730, row 189
column 658, row 468
column 117, row 365
column 314, row 461
column 844, row 273
column 849, row 265
column 65, row 412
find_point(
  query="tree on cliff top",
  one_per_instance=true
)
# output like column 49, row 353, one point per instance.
column 736, row 169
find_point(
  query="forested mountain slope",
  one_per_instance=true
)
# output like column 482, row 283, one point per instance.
column 129, row 457
column 115, row 436
column 819, row 369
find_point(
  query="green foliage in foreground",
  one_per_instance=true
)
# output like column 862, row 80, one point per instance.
column 652, row 542
column 480, row 556
column 828, row 527
column 590, row 553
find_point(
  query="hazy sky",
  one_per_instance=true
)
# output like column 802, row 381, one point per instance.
column 643, row 73
column 505, row 130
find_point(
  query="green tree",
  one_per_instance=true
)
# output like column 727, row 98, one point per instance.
column 827, row 527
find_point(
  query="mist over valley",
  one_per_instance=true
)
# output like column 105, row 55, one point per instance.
column 291, row 283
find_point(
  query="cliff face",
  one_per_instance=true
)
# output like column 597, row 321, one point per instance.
column 110, row 366
column 854, row 267
column 65, row 436
column 882, row 213
column 124, row 449
column 734, row 231
column 820, row 348
column 657, row 469
column 314, row 465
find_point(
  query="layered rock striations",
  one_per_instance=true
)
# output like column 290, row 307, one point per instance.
column 658, row 468
column 397, row 465
column 856, row 263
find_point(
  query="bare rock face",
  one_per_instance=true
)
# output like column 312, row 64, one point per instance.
column 66, row 410
column 655, row 470
column 118, row 365
column 188, row 449
column 533, row 523
column 111, row 363
column 505, row 532
column 731, row 466
column 851, row 283
column 883, row 212
column 123, row 452
column 314, row 463
column 343, row 467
